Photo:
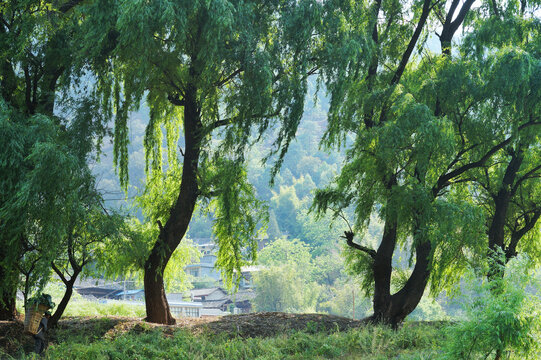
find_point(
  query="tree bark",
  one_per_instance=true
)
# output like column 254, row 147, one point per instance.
column 176, row 226
column 496, row 231
column 382, row 269
column 393, row 309
column 67, row 294
column 63, row 303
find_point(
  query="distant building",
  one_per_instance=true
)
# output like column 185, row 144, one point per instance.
column 209, row 294
column 247, row 279
column 185, row 309
column 202, row 270
column 205, row 267
column 213, row 312
column 176, row 297
column 243, row 301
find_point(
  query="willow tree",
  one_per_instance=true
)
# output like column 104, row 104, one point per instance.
column 216, row 75
column 420, row 125
column 39, row 154
column 508, row 186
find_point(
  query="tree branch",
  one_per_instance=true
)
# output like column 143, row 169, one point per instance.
column 526, row 176
column 176, row 100
column 443, row 180
column 413, row 41
column 511, row 250
column 349, row 240
column 228, row 121
column 64, row 8
column 228, row 78
column 59, row 273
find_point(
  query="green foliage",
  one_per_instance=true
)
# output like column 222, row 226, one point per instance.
column 372, row 343
column 126, row 256
column 287, row 205
column 46, row 189
column 284, row 251
column 42, row 299
column 501, row 317
column 81, row 307
column 273, row 230
column 238, row 214
column 428, row 310
column 288, row 281
column 431, row 145
column 218, row 72
column 284, row 288
column 340, row 301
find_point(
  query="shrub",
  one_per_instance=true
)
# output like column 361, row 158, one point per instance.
column 502, row 318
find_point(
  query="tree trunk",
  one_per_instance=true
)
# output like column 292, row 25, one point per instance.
column 393, row 309
column 8, row 294
column 64, row 302
column 382, row 269
column 496, row 231
column 176, row 226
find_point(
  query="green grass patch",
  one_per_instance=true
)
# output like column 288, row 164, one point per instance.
column 89, row 342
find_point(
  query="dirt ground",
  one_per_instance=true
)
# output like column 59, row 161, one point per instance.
column 12, row 336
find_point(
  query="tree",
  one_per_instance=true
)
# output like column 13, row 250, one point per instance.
column 286, row 281
column 419, row 127
column 507, row 186
column 215, row 71
column 41, row 153
column 42, row 180
column 273, row 230
column 90, row 227
column 287, row 205
column 282, row 288
column 284, row 251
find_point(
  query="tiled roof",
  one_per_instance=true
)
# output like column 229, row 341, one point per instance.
column 205, row 292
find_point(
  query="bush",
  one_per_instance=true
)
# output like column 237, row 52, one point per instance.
column 502, row 317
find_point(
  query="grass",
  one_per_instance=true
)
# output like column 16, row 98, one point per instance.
column 83, row 307
column 146, row 342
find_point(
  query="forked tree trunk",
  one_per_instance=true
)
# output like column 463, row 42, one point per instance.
column 176, row 226
column 392, row 309
column 65, row 299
